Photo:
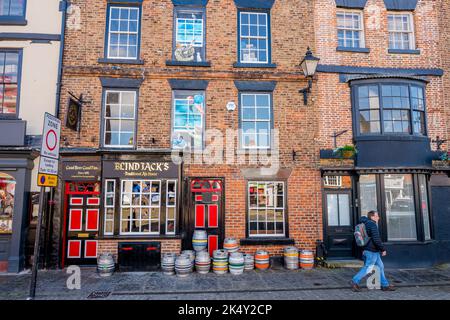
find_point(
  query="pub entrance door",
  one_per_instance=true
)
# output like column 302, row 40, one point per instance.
column 81, row 223
column 205, row 211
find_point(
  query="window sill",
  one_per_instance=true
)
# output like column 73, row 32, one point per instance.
column 266, row 241
column 403, row 51
column 392, row 137
column 121, row 61
column 10, row 21
column 188, row 63
column 348, row 49
column 254, row 65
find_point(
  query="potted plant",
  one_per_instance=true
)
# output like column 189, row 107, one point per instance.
column 346, row 152
column 445, row 156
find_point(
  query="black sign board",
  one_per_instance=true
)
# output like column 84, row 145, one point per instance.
column 140, row 169
column 81, row 170
column 73, row 117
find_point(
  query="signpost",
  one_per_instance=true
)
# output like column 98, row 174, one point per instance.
column 47, row 177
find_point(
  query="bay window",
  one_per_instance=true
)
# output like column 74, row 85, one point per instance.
column 402, row 202
column 266, row 209
column 390, row 107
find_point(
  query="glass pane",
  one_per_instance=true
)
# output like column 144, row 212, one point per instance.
column 368, row 193
column 344, row 210
column 332, row 210
column 400, row 211
column 424, row 206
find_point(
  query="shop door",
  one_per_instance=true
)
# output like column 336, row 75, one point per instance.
column 82, row 223
column 206, row 211
column 339, row 224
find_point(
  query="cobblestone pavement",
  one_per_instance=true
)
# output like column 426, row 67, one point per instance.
column 272, row 284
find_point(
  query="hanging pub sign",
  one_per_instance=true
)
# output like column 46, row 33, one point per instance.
column 81, row 170
column 73, row 116
column 140, row 169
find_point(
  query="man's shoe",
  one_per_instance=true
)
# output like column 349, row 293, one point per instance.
column 388, row 288
column 355, row 287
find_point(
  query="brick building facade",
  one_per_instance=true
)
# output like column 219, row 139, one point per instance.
column 234, row 65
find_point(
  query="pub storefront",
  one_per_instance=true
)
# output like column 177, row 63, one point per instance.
column 120, row 203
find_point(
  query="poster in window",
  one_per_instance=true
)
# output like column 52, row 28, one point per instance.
column 7, row 191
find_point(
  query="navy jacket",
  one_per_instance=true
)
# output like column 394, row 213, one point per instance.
column 374, row 244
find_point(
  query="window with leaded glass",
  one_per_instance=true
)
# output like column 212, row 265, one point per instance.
column 350, row 29
column 254, row 37
column 9, row 69
column 188, row 122
column 119, row 118
column 401, row 31
column 123, row 32
column 266, row 208
column 140, row 206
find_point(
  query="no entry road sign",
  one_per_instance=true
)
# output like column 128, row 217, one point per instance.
column 50, row 137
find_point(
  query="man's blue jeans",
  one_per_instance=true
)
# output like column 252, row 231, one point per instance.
column 371, row 259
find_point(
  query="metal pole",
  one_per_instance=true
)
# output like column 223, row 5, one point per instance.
column 37, row 246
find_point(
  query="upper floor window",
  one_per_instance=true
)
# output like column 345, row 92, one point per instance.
column 350, row 29
column 123, row 33
column 256, row 120
column 119, row 119
column 189, row 25
column 390, row 108
column 188, row 119
column 9, row 70
column 401, row 31
column 254, row 39
column 13, row 8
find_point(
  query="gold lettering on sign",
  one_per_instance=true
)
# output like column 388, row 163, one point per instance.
column 144, row 167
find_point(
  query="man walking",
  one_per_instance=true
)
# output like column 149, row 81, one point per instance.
column 372, row 253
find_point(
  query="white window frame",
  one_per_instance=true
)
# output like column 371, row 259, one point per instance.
column 254, row 37
column 362, row 38
column 241, row 131
column 411, row 31
column 140, row 207
column 124, row 32
column 200, row 45
column 174, row 206
column 113, row 194
column 119, row 118
column 262, row 208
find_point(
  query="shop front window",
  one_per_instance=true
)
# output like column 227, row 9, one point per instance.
column 140, row 207
column 266, row 216
column 400, row 211
column 110, row 202
column 171, row 205
column 405, row 202
column 188, row 119
column 7, row 191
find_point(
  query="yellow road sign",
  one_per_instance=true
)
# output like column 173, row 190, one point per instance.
column 47, row 180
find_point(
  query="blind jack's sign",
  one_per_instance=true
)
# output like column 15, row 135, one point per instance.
column 139, row 169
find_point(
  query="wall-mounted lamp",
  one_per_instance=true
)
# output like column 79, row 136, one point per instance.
column 309, row 66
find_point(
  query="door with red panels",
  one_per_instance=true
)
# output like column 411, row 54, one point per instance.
column 206, row 211
column 82, row 221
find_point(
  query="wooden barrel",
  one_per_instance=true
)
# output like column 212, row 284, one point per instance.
column 202, row 262
column 183, row 265
column 306, row 259
column 262, row 260
column 168, row 263
column 290, row 258
column 236, row 263
column 249, row 262
column 105, row 264
column 200, row 240
column 220, row 261
column 231, row 245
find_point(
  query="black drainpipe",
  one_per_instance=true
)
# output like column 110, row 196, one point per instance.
column 63, row 5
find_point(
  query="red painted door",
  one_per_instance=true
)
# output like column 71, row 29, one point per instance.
column 82, row 227
column 206, row 211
